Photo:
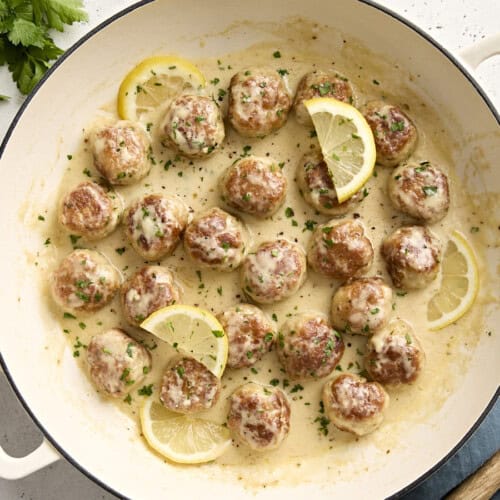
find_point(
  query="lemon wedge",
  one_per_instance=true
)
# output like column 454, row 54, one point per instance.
column 154, row 82
column 346, row 142
column 182, row 438
column 459, row 284
column 192, row 331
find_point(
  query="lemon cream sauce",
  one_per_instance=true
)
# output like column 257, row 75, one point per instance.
column 313, row 447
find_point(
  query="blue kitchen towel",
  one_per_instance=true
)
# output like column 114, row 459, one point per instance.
column 479, row 448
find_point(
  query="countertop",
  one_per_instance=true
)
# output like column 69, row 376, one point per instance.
column 455, row 24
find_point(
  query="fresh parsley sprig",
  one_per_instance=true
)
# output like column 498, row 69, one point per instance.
column 25, row 44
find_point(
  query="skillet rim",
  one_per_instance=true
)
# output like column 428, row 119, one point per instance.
column 409, row 24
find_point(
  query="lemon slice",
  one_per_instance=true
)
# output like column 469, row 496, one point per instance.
column 193, row 331
column 346, row 142
column 459, row 284
column 154, row 82
column 182, row 438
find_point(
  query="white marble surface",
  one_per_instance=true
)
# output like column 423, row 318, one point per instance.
column 454, row 23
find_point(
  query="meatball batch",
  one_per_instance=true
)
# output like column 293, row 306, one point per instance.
column 147, row 290
column 254, row 185
column 193, row 126
column 117, row 362
column 421, row 191
column 121, row 152
column 340, row 250
column 259, row 102
column 362, row 306
column 154, row 224
column 250, row 334
column 412, row 255
column 274, row 271
column 355, row 405
column 394, row 355
column 394, row 133
column 316, row 186
column 188, row 386
column 319, row 83
column 309, row 347
column 85, row 281
column 90, row 211
column 216, row 239
column 259, row 416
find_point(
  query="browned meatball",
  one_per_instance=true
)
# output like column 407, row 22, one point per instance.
column 146, row 291
column 340, row 250
column 394, row 355
column 254, row 185
column 309, row 347
column 154, row 224
column 274, row 271
column 319, row 83
column 216, row 239
column 316, row 186
column 420, row 191
column 362, row 305
column 117, row 362
column 250, row 334
column 259, row 102
column 193, row 126
column 121, row 152
column 355, row 405
column 85, row 281
column 90, row 211
column 394, row 133
column 259, row 416
column 412, row 255
column 188, row 386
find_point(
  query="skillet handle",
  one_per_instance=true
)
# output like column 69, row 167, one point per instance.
column 478, row 52
column 16, row 468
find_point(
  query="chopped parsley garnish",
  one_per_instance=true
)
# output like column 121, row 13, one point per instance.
column 268, row 337
column 430, row 190
column 289, row 212
column 67, row 315
column 274, row 382
column 309, row 225
column 218, row 333
column 397, row 126
column 277, row 54
column 128, row 399
column 474, row 229
column 120, row 251
column 145, row 390
column 283, row 72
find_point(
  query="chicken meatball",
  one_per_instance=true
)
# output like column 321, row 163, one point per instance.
column 146, row 291
column 154, row 225
column 250, row 334
column 216, row 239
column 193, row 126
column 420, row 191
column 355, row 405
column 412, row 255
column 254, row 185
column 340, row 250
column 319, row 83
column 274, row 271
column 121, row 152
column 316, row 186
column 259, row 102
column 394, row 133
column 309, row 347
column 117, row 362
column 362, row 305
column 85, row 281
column 394, row 355
column 90, row 211
column 188, row 386
column 259, row 416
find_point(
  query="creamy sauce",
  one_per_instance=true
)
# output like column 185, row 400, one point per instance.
column 307, row 449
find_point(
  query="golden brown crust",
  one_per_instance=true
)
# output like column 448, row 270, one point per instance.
column 340, row 250
column 259, row 102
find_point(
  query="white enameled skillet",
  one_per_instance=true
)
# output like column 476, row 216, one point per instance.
column 93, row 436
